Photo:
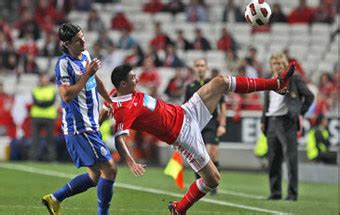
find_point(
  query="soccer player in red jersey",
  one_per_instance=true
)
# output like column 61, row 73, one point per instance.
column 177, row 125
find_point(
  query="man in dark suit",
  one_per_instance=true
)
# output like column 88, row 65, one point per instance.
column 280, row 123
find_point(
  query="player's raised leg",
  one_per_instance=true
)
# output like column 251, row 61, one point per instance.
column 212, row 92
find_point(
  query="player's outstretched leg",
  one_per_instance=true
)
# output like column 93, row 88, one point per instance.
column 249, row 85
column 77, row 185
column 212, row 92
column 209, row 180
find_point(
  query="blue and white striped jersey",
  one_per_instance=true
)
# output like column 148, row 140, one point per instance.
column 82, row 113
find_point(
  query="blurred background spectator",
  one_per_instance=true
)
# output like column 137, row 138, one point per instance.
column 302, row 14
column 153, row 6
column 126, row 41
column 226, row 41
column 120, row 21
column 174, row 7
column 171, row 59
column 94, row 22
column 181, row 42
column 176, row 87
column 277, row 14
column 200, row 41
column 197, row 11
column 232, row 13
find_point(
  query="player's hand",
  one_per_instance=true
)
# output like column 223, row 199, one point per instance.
column 220, row 130
column 110, row 111
column 108, row 107
column 93, row 66
column 136, row 168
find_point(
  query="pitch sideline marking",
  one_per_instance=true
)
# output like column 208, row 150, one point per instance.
column 133, row 187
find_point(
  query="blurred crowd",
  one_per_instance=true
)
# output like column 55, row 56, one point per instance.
column 31, row 33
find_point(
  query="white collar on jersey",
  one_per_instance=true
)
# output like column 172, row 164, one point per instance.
column 123, row 98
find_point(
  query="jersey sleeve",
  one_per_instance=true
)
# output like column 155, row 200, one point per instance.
column 123, row 120
column 63, row 78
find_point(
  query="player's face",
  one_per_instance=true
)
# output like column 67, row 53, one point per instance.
column 200, row 68
column 77, row 44
column 277, row 65
column 132, row 81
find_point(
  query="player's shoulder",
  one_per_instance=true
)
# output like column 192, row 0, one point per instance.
column 61, row 63
column 62, row 58
column 87, row 54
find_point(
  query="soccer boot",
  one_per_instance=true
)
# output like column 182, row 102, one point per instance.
column 52, row 206
column 284, row 79
column 172, row 208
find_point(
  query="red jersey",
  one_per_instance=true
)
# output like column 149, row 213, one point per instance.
column 142, row 112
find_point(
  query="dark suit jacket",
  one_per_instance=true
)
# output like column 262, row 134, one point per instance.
column 298, row 100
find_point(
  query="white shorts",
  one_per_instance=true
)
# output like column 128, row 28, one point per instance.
column 190, row 142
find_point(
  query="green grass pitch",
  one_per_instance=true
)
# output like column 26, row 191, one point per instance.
column 22, row 185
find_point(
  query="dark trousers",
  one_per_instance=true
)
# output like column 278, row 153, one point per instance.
column 282, row 144
column 39, row 124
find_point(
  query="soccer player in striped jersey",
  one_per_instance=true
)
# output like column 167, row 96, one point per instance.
column 78, row 87
column 177, row 125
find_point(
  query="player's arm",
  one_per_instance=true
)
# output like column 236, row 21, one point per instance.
column 102, row 91
column 222, row 123
column 135, row 168
column 68, row 92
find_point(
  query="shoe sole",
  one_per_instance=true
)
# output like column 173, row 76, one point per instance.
column 44, row 202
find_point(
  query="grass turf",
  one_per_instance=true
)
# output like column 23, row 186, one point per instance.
column 21, row 188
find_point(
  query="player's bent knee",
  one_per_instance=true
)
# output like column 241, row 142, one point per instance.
column 109, row 170
column 112, row 171
column 220, row 81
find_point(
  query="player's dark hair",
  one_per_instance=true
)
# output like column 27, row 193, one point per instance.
column 120, row 73
column 66, row 32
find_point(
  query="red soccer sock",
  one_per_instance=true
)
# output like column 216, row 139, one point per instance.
column 242, row 84
column 192, row 195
